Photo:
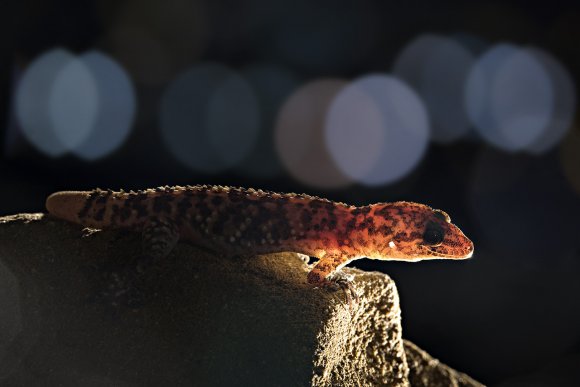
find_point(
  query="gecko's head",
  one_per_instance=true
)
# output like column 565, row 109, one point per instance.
column 421, row 232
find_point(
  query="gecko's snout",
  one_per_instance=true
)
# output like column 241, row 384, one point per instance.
column 446, row 240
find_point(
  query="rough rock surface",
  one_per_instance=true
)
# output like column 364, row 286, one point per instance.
column 210, row 320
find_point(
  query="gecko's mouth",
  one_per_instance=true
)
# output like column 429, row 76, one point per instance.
column 442, row 251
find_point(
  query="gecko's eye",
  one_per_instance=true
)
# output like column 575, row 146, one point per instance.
column 433, row 235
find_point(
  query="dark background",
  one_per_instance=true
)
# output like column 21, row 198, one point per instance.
column 510, row 315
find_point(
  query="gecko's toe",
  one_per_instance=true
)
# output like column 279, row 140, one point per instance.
column 344, row 282
column 303, row 257
column 349, row 290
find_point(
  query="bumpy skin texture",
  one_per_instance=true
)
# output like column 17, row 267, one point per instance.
column 241, row 221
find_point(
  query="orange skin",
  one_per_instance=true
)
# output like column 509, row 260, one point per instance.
column 241, row 221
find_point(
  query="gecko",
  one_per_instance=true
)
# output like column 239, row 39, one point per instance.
column 239, row 221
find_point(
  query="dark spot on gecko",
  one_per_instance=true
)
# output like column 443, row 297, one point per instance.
column 203, row 209
column 162, row 203
column 238, row 219
column 283, row 229
column 366, row 210
column 283, row 200
column 384, row 212
column 305, row 217
column 415, row 235
column 314, row 204
column 140, row 208
column 184, row 205
column 103, row 198
column 88, row 204
column 275, row 234
column 351, row 225
column 235, row 196
column 100, row 214
column 262, row 216
column 217, row 200
column 125, row 213
column 385, row 230
column 114, row 213
column 218, row 226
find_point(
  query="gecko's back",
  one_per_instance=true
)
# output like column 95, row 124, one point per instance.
column 224, row 218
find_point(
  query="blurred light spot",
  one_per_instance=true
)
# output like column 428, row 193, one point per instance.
column 299, row 135
column 509, row 97
column 355, row 132
column 477, row 90
column 10, row 312
column 32, row 101
column 272, row 85
column 83, row 105
column 377, row 130
column 209, row 118
column 437, row 67
column 73, row 104
column 521, row 99
column 116, row 108
column 564, row 104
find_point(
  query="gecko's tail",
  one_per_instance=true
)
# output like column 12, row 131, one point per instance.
column 67, row 204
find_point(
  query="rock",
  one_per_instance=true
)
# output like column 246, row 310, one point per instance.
column 209, row 320
column 429, row 372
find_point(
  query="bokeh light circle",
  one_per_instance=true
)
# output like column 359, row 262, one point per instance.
column 299, row 135
column 377, row 130
column 564, row 92
column 209, row 118
column 32, row 101
column 73, row 103
column 437, row 67
column 521, row 100
column 272, row 85
column 510, row 98
column 116, row 108
column 80, row 104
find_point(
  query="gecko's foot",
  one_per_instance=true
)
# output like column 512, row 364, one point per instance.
column 303, row 257
column 344, row 282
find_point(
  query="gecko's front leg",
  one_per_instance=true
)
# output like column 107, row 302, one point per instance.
column 326, row 274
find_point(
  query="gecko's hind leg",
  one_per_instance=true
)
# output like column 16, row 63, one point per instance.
column 125, row 280
column 159, row 238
